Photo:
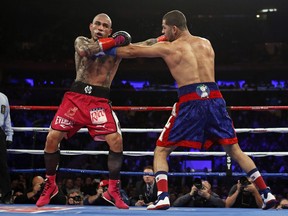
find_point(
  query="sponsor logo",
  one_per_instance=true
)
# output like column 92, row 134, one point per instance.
column 203, row 91
column 71, row 112
column 88, row 89
column 63, row 122
column 98, row 116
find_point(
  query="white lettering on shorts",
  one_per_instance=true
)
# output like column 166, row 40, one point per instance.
column 98, row 116
column 168, row 124
column 63, row 122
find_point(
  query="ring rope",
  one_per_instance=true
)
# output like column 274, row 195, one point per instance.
column 148, row 153
column 139, row 130
column 155, row 108
column 219, row 174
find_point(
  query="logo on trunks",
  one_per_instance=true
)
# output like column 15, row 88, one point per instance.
column 88, row 89
column 203, row 91
column 63, row 122
column 71, row 112
column 98, row 116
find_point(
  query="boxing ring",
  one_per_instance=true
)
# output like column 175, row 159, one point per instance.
column 26, row 210
column 98, row 210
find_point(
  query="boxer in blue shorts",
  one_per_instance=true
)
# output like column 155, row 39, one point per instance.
column 199, row 119
column 194, row 119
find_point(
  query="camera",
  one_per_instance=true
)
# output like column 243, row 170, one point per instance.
column 105, row 188
column 74, row 200
column 244, row 181
column 198, row 183
column 77, row 198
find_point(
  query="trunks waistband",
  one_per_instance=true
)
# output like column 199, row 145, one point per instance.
column 199, row 91
column 87, row 89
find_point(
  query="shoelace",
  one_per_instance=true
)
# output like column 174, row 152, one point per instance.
column 118, row 191
column 46, row 187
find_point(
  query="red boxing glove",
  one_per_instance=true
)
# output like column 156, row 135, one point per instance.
column 161, row 38
column 120, row 38
column 106, row 43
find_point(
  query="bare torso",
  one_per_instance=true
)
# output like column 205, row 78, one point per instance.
column 98, row 71
column 190, row 60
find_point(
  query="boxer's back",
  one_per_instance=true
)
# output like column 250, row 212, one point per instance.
column 191, row 60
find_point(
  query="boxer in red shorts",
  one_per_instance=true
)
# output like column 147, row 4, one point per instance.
column 87, row 104
column 200, row 117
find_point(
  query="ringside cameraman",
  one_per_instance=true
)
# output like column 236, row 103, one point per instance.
column 200, row 195
column 244, row 194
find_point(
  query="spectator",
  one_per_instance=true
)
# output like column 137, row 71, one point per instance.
column 244, row 194
column 146, row 189
column 32, row 195
column 199, row 196
column 97, row 198
column 283, row 204
column 89, row 186
column 75, row 197
column 68, row 186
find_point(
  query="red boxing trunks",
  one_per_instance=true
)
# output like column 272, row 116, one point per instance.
column 199, row 119
column 86, row 105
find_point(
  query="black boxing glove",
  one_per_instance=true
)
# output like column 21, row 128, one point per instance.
column 120, row 38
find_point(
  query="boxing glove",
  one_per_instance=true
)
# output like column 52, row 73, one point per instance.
column 120, row 38
column 161, row 38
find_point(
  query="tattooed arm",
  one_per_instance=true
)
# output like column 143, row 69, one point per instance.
column 86, row 47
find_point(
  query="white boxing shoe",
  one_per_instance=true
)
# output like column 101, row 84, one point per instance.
column 269, row 200
column 162, row 202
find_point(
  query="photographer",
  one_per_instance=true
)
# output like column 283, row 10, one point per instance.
column 97, row 198
column 32, row 195
column 283, row 204
column 244, row 194
column 199, row 196
column 75, row 197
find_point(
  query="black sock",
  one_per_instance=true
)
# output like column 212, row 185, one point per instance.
column 51, row 162
column 114, row 164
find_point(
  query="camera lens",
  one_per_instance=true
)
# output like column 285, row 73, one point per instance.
column 77, row 198
column 198, row 183
column 244, row 181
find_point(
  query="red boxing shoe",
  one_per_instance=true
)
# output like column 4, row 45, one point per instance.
column 49, row 191
column 112, row 195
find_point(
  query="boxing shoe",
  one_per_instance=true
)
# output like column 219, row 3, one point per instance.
column 113, row 196
column 162, row 202
column 269, row 200
column 49, row 191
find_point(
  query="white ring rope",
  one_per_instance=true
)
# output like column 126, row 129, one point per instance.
column 139, row 130
column 148, row 153
column 141, row 153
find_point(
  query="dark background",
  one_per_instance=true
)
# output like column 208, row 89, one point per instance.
column 37, row 36
column 37, row 43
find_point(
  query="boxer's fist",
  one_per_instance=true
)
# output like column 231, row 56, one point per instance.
column 161, row 38
column 122, row 38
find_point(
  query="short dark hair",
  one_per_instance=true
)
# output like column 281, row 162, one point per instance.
column 148, row 167
column 176, row 18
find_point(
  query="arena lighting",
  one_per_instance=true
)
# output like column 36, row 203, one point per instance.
column 135, row 84
column 262, row 14
column 266, row 10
